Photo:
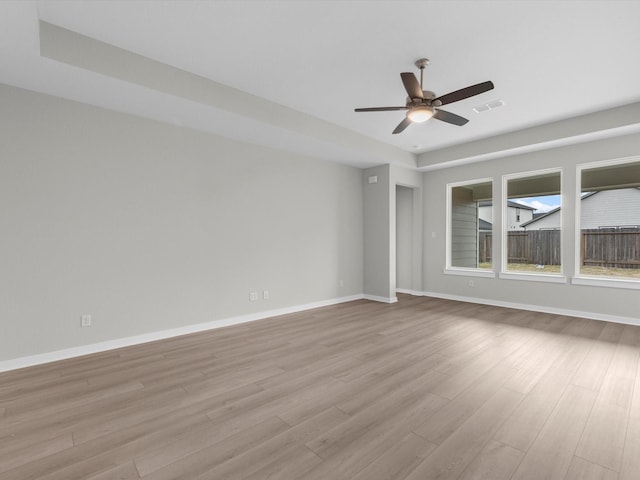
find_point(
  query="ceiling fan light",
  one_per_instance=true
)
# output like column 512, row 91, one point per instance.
column 420, row 114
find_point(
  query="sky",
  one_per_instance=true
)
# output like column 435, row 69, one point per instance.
column 541, row 204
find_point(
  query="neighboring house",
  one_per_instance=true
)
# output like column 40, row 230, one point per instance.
column 603, row 209
column 517, row 214
column 484, row 226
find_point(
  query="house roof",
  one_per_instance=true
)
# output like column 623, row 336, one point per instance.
column 540, row 217
column 484, row 225
column 557, row 209
column 488, row 203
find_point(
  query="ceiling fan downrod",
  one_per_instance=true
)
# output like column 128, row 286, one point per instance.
column 421, row 64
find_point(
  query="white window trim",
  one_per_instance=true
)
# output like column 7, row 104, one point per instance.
column 592, row 280
column 470, row 272
column 613, row 282
column 449, row 269
column 535, row 277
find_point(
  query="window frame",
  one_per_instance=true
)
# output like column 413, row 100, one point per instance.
column 595, row 280
column 534, row 277
column 465, row 271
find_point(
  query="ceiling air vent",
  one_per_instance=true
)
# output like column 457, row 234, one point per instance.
column 485, row 107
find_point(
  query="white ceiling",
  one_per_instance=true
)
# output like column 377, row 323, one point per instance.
column 548, row 60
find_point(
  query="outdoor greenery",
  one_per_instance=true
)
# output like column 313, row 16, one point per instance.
column 601, row 271
column 615, row 272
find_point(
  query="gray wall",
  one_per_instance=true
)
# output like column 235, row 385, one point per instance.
column 404, row 238
column 411, row 179
column 149, row 227
column 601, row 301
column 378, row 232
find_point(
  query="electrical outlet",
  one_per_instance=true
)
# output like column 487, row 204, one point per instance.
column 85, row 321
column 265, row 294
column 472, row 283
column 253, row 296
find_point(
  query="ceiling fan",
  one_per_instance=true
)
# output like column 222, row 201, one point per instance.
column 421, row 104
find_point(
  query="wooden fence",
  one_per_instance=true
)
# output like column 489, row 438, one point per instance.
column 540, row 247
column 610, row 247
column 484, row 247
column 599, row 247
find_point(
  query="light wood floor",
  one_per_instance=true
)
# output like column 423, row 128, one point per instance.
column 423, row 389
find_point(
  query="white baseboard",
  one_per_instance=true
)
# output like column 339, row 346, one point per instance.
column 536, row 308
column 66, row 353
column 42, row 358
column 376, row 298
column 409, row 292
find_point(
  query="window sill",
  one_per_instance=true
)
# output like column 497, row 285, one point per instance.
column 470, row 272
column 534, row 277
column 606, row 282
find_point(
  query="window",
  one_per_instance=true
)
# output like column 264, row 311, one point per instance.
column 608, row 233
column 532, row 234
column 470, row 225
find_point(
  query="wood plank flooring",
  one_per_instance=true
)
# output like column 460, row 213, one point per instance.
column 422, row 389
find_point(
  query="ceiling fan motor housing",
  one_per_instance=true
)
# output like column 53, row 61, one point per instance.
column 428, row 95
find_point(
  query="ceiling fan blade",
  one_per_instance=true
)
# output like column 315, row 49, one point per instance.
column 380, row 109
column 450, row 117
column 463, row 93
column 411, row 85
column 402, row 125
